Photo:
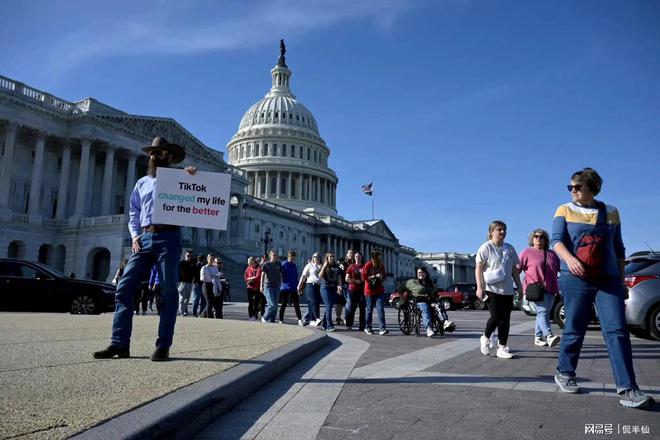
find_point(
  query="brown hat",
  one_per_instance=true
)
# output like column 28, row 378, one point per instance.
column 160, row 143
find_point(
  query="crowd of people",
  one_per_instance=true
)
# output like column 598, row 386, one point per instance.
column 585, row 252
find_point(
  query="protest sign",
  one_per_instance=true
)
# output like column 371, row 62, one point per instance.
column 200, row 200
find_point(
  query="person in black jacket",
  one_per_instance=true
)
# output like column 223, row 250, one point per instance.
column 187, row 269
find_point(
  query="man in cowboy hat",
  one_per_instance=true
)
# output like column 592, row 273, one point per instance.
column 152, row 244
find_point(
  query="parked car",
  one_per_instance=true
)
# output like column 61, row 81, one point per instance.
column 36, row 287
column 449, row 300
column 643, row 303
column 469, row 291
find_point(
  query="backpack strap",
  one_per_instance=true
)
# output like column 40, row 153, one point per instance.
column 601, row 221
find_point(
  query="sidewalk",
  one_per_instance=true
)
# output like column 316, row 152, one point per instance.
column 53, row 388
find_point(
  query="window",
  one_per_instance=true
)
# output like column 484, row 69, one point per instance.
column 277, row 115
column 283, row 149
column 256, row 150
column 281, row 235
column 242, row 151
column 297, row 118
column 264, row 150
column 283, row 186
column 293, row 237
column 293, row 151
column 256, row 228
column 273, row 182
column 314, row 155
column 309, row 153
column 301, row 152
column 303, row 239
column 290, row 115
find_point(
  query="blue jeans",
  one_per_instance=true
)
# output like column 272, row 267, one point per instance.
column 426, row 314
column 377, row 301
column 162, row 249
column 272, row 297
column 328, row 294
column 312, row 294
column 347, row 297
column 184, row 297
column 543, row 309
column 607, row 294
column 197, row 298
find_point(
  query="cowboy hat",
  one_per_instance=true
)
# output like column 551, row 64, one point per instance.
column 160, row 143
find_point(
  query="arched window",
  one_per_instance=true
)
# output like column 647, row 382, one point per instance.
column 301, row 152
column 309, row 154
column 283, row 149
column 256, row 150
column 264, row 150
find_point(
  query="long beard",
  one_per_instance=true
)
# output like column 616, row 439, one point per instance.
column 154, row 163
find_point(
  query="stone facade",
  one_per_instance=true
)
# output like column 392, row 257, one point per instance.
column 67, row 170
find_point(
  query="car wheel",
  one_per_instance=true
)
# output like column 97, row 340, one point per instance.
column 639, row 332
column 479, row 304
column 654, row 322
column 83, row 305
column 559, row 315
column 446, row 303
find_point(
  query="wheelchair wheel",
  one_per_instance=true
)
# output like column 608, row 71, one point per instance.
column 406, row 318
column 418, row 320
column 437, row 323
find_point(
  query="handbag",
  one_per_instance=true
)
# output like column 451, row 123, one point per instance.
column 536, row 291
column 493, row 276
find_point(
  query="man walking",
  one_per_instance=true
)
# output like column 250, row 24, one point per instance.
column 187, row 269
column 151, row 244
column 271, row 282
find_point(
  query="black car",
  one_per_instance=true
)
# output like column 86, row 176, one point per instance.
column 36, row 287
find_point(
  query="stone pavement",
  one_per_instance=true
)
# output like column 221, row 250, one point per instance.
column 401, row 387
column 53, row 388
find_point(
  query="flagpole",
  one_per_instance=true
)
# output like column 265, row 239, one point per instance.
column 372, row 203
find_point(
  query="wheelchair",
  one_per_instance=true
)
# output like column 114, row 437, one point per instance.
column 410, row 318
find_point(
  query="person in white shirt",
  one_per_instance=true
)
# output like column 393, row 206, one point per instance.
column 207, row 274
column 312, row 287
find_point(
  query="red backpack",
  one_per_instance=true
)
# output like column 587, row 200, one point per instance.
column 591, row 246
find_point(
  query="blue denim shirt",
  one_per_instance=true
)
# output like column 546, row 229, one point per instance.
column 142, row 205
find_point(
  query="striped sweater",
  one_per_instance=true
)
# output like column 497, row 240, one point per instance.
column 572, row 221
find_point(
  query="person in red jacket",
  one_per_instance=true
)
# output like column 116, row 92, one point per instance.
column 373, row 275
column 253, row 280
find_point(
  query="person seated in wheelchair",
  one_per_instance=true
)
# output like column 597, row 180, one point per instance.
column 423, row 291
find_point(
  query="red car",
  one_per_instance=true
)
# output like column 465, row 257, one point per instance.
column 449, row 300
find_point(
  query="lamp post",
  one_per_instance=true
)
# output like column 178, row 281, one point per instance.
column 266, row 241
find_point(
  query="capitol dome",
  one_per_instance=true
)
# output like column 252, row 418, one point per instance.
column 279, row 146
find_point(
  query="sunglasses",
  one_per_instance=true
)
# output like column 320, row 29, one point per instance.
column 574, row 187
column 539, row 237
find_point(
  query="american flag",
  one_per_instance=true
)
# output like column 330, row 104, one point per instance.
column 368, row 189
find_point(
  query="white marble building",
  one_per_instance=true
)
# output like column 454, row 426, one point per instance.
column 67, row 170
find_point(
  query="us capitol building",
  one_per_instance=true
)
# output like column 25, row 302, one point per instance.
column 68, row 169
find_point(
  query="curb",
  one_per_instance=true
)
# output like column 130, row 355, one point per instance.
column 186, row 411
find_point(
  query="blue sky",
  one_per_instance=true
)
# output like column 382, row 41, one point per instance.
column 459, row 111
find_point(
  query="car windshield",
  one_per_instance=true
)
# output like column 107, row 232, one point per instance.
column 640, row 264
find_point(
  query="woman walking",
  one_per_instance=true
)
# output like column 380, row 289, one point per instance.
column 496, row 272
column 207, row 274
column 373, row 275
column 541, row 266
column 312, row 288
column 252, row 277
column 586, row 234
column 330, row 288
column 355, row 293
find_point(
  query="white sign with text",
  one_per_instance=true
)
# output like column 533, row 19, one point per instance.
column 200, row 200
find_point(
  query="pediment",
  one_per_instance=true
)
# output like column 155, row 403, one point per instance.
column 381, row 229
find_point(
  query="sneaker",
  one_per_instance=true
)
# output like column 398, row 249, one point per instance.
column 112, row 351
column 330, row 329
column 553, row 340
column 263, row 320
column 449, row 326
column 184, row 314
column 280, row 322
column 503, row 352
column 368, row 331
column 383, row 332
column 161, row 355
column 301, row 323
column 635, row 398
column 316, row 322
column 485, row 345
column 429, row 332
column 567, row 384
column 252, row 318
column 492, row 343
column 539, row 341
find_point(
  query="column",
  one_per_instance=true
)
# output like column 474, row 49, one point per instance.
column 7, row 164
column 309, row 187
column 289, row 186
column 300, row 187
column 267, row 184
column 130, row 181
column 37, row 168
column 107, row 180
column 278, row 189
column 327, row 193
column 63, row 191
column 83, row 173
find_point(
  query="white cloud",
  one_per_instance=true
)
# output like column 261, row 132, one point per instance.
column 191, row 28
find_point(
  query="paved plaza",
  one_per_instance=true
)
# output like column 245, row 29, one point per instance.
column 351, row 386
